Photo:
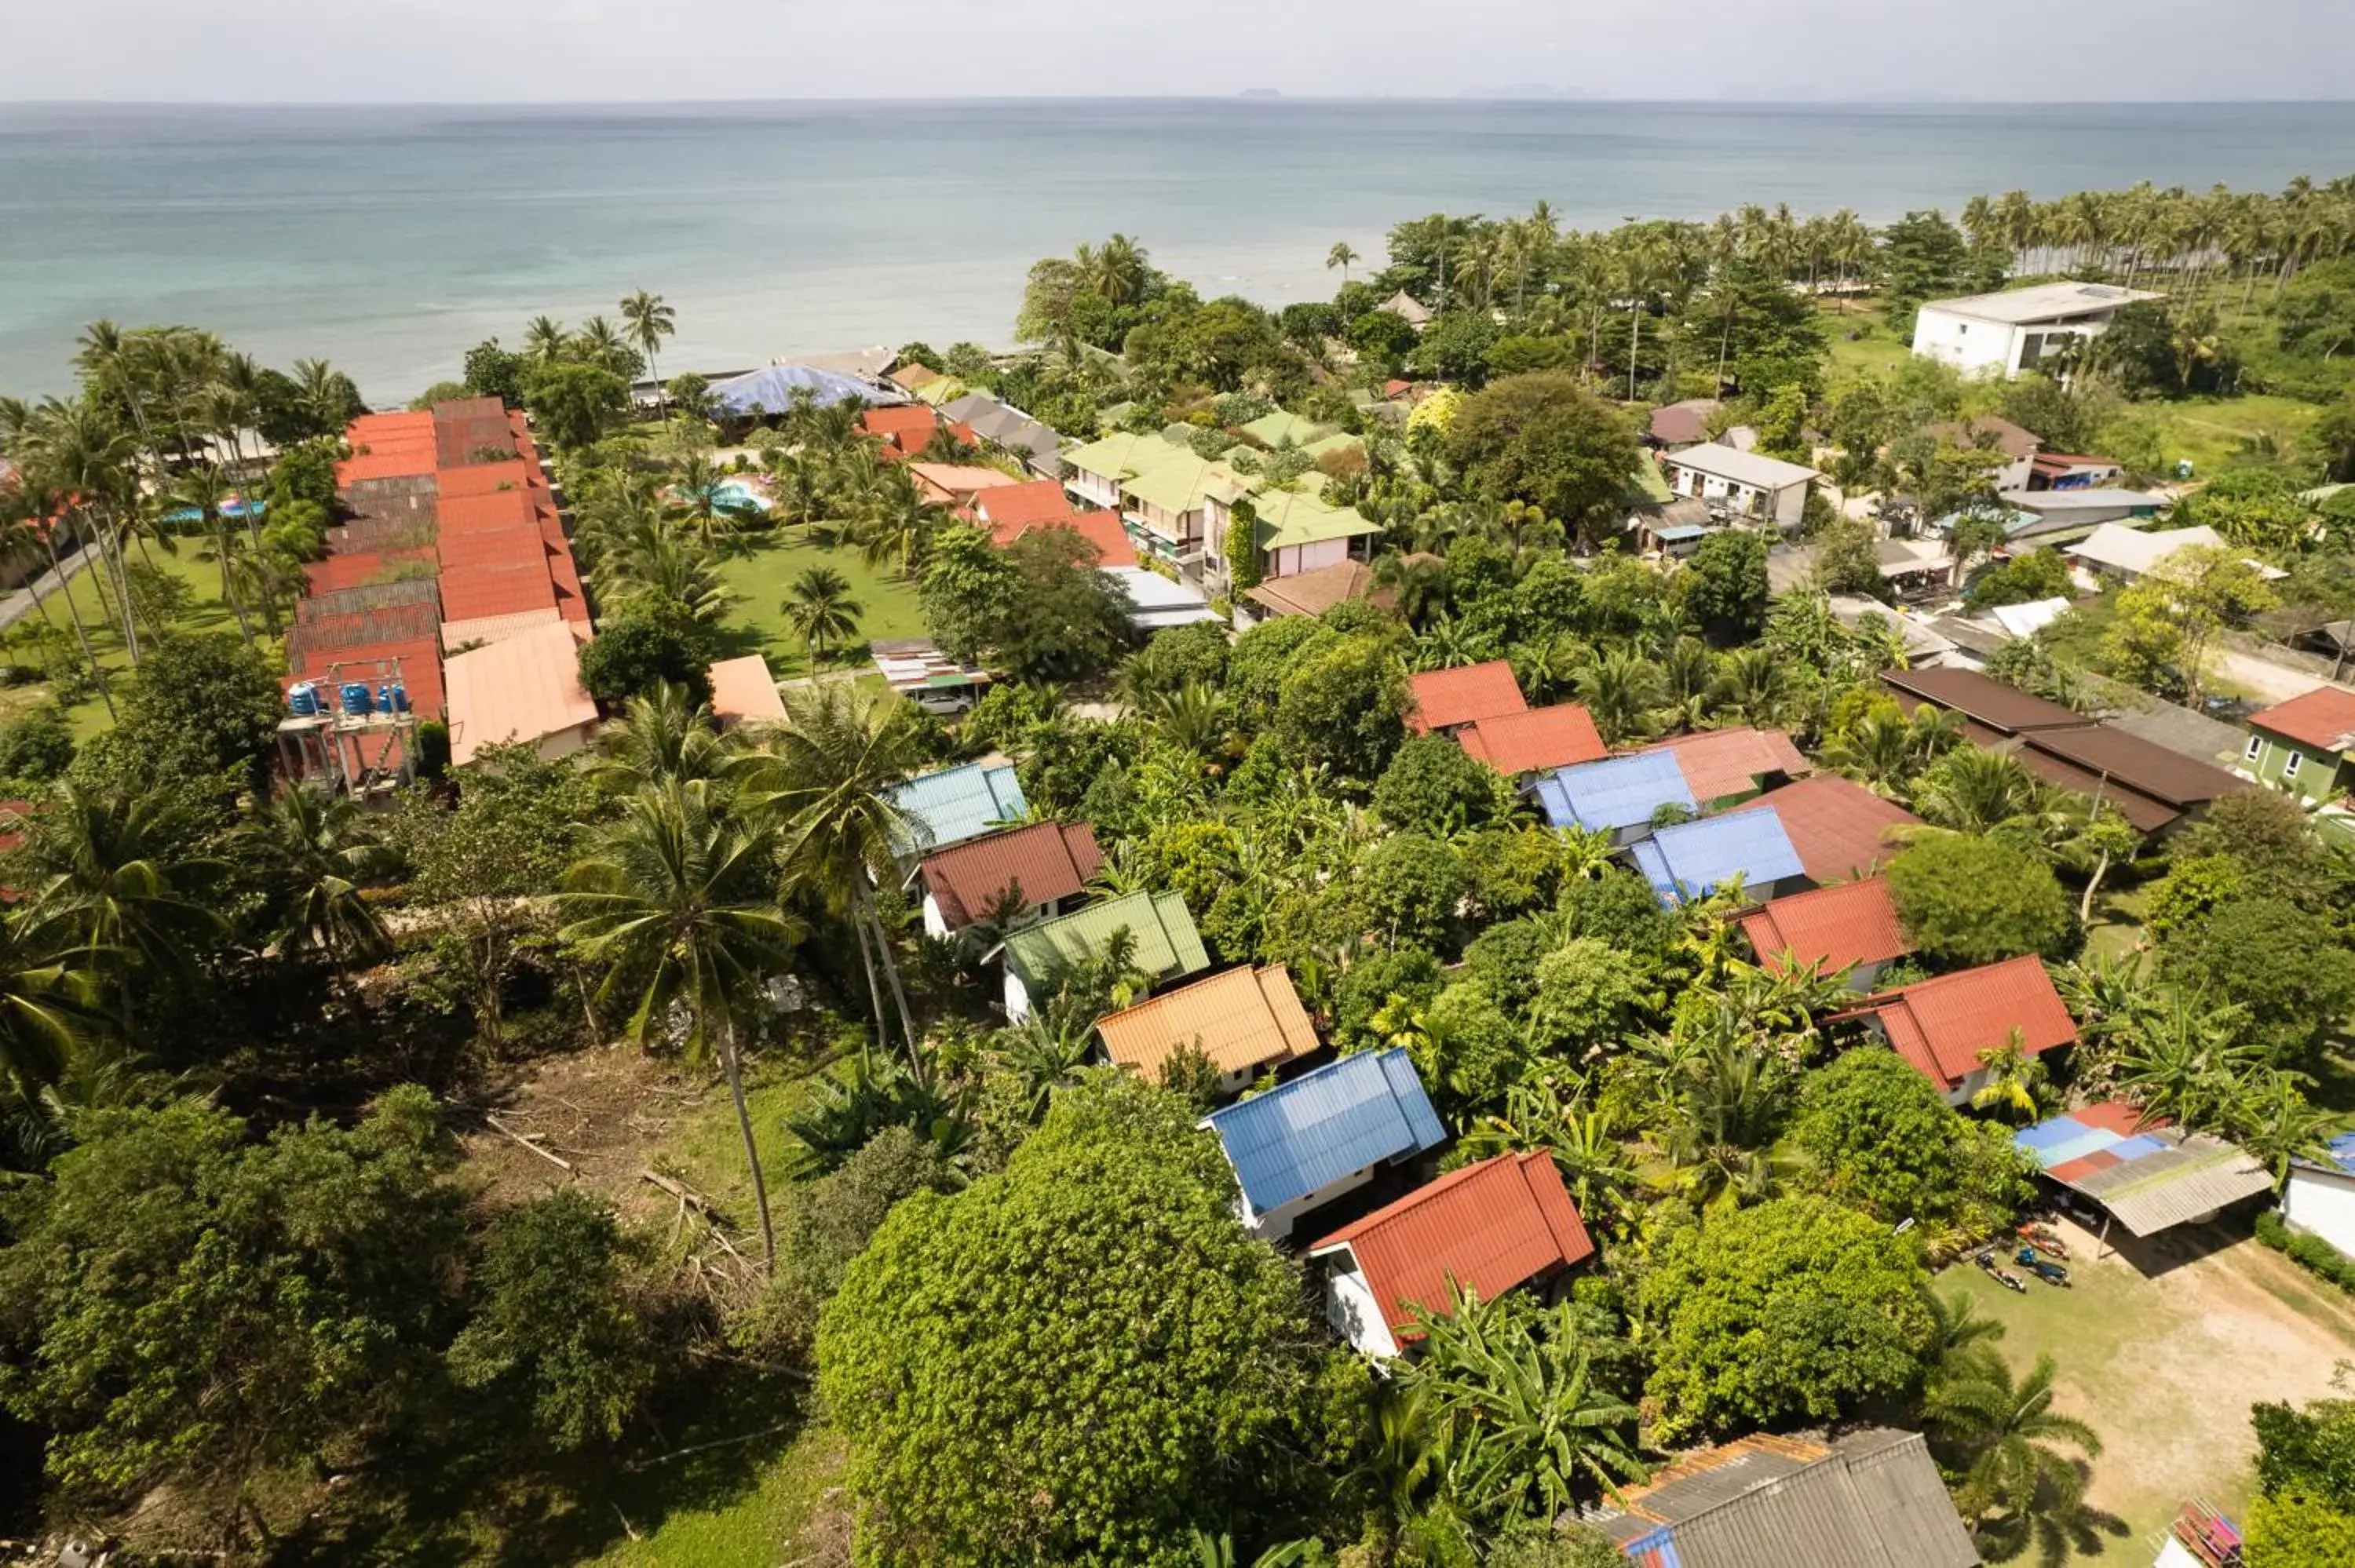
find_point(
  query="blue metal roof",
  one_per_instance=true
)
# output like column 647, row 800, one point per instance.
column 1678, row 532
column 1623, row 792
column 1361, row 1110
column 772, row 387
column 2342, row 1151
column 1690, row 860
column 960, row 804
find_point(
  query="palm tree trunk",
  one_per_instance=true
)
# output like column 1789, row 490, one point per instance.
column 874, row 987
column 1634, row 342
column 891, row 972
column 2093, row 886
column 97, row 671
column 235, row 600
column 751, row 1149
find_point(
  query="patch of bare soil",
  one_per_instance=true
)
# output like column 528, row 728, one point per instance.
column 591, row 1119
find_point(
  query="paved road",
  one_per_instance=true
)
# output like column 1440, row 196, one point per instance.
column 19, row 604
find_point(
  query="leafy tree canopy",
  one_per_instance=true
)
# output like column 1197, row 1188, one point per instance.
column 1966, row 901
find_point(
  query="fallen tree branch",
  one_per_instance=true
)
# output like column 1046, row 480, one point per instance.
column 556, row 1159
column 705, row 1447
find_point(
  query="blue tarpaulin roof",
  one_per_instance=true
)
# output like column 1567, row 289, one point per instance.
column 1361, row 1110
column 1623, row 792
column 773, row 389
column 1687, row 861
column 960, row 804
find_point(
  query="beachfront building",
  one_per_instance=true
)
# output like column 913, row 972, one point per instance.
column 1750, row 487
column 2003, row 333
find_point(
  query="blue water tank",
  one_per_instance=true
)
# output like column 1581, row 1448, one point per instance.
column 356, row 701
column 383, row 698
column 400, row 698
column 302, row 699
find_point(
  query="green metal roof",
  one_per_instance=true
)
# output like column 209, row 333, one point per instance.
column 1288, row 517
column 1280, row 427
column 1179, row 483
column 1167, row 943
column 1338, row 441
column 1116, row 457
column 1651, row 483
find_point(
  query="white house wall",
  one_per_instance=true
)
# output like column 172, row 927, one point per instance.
column 1355, row 1316
column 1972, row 346
column 1276, row 1224
column 2319, row 1202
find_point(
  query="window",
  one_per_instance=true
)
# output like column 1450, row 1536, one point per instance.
column 2289, row 769
column 2256, row 743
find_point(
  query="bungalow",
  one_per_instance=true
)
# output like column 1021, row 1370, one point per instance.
column 1246, row 1020
column 2068, row 471
column 2153, row 787
column 1693, row 859
column 2003, row 333
column 2319, row 1196
column 1100, row 468
column 905, row 431
column 957, row 803
column 1316, row 590
column 1840, row 829
column 2126, row 555
column 745, row 691
column 956, row 485
column 1534, row 740
column 2071, row 513
column 1166, row 944
column 1722, row 766
column 524, row 689
column 1621, row 797
column 1944, row 1026
column 2306, row 747
column 1011, row 510
column 1306, row 1142
column 1407, row 309
column 1046, row 865
column 1992, row 712
column 1487, row 1228
column 1441, row 701
column 1294, row 532
column 1848, row 929
column 1681, row 424
column 1997, row 436
column 1765, row 490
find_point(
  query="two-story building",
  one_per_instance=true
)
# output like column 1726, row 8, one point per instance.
column 2306, row 747
column 2003, row 333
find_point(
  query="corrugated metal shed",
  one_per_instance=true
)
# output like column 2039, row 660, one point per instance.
column 1624, row 792
column 1486, row 1228
column 2150, row 1175
column 1442, row 699
column 2006, row 710
column 396, row 623
column 365, row 597
column 1166, row 942
column 1243, row 1020
column 959, row 803
column 1691, row 860
column 1363, row 1110
column 1835, row 929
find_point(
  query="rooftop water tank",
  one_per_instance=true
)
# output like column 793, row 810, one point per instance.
column 303, row 700
column 356, row 701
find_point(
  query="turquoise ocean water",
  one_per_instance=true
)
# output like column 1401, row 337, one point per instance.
column 389, row 238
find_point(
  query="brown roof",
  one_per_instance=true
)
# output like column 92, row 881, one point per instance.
column 1683, row 424
column 1840, row 829
column 1941, row 1026
column 1047, row 860
column 1442, row 699
column 2323, row 718
column 1243, row 1019
column 1834, row 929
column 1536, row 739
column 2009, row 438
column 1315, row 591
column 2151, row 785
column 1487, row 1228
column 1722, row 762
column 2006, row 710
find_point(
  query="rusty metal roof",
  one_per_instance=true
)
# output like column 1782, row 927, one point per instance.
column 1983, row 699
column 1722, row 762
column 1534, row 740
column 1243, row 1020
column 1049, row 861
column 1941, row 1026
column 1840, row 829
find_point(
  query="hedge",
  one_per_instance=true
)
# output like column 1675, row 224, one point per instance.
column 2310, row 1252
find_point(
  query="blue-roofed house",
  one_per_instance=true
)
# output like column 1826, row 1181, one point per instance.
column 958, row 803
column 1619, row 797
column 773, row 389
column 1694, row 858
column 2319, row 1196
column 1303, row 1144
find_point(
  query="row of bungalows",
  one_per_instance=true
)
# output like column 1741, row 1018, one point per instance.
column 449, row 577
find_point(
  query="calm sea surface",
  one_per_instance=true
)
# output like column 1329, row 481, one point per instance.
column 388, row 239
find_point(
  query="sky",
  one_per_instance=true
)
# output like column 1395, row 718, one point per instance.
column 420, row 51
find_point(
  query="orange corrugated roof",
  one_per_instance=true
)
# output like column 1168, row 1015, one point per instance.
column 475, row 592
column 490, row 510
column 490, row 479
column 909, row 427
column 1941, row 1026
column 1013, row 505
column 1048, row 859
column 1840, row 828
column 1243, row 1019
column 1487, row 1227
column 1536, row 739
column 1101, row 529
column 1722, row 762
column 745, row 689
column 525, row 688
column 949, row 482
column 362, row 567
column 2323, row 718
column 1835, row 929
column 1442, row 699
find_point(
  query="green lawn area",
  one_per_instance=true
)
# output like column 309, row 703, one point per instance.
column 763, row 567
column 88, row 593
column 736, row 1519
column 2210, row 431
column 1861, row 340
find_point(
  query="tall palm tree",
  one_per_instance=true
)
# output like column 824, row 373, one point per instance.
column 2001, row 1438
column 821, row 612
column 662, row 736
column 1973, row 791
column 49, row 1010
column 324, row 851
column 1340, row 256
column 545, row 340
column 119, row 884
column 600, row 342
column 678, row 898
column 1620, row 689
column 75, row 452
column 325, row 395
column 649, row 319
column 205, row 490
column 701, row 505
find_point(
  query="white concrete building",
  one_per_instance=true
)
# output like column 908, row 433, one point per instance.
column 2003, row 333
column 1767, row 490
column 2319, row 1196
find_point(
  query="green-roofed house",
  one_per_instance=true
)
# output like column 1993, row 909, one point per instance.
column 1297, row 531
column 1099, row 468
column 1166, row 945
column 1166, row 507
column 1338, row 441
column 1281, row 428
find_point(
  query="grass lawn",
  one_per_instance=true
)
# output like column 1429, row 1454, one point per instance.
column 89, row 594
column 2210, row 431
column 759, row 575
column 741, row 1516
column 1861, row 340
column 2164, row 1361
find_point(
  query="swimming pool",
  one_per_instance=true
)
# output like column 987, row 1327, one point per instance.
column 737, row 495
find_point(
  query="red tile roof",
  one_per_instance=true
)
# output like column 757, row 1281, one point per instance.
column 1941, row 1026
column 491, row 479
column 1515, row 743
column 1442, row 699
column 1488, row 1227
column 1722, row 762
column 1835, row 929
column 2323, row 718
column 1840, row 829
column 907, row 429
column 1015, row 506
column 1048, row 859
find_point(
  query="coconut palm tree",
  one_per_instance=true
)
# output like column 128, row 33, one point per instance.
column 205, row 490
column 1621, row 688
column 700, row 505
column 663, row 735
column 2001, row 1439
column 821, row 612
column 1962, row 1341
column 1973, row 791
column 325, row 395
column 77, row 454
column 600, row 342
column 1340, row 256
column 2016, row 1083
column 324, row 852
column 1755, row 683
column 546, row 340
column 121, row 890
column 677, row 900
column 649, row 319
column 49, row 1002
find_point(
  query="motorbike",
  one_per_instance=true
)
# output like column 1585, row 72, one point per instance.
column 2042, row 1238
column 2003, row 1276
column 2042, row 1267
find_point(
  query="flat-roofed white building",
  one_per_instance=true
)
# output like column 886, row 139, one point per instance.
column 2003, row 333
column 1766, row 489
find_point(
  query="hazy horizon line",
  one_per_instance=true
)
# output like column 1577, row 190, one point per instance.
column 1252, row 95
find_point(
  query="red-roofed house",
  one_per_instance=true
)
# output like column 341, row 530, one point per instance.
column 1049, row 863
column 1440, row 701
column 1840, row 829
column 1941, row 1025
column 906, row 431
column 1724, row 765
column 2306, row 747
column 1534, row 740
column 1488, row 1228
column 1851, row 928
